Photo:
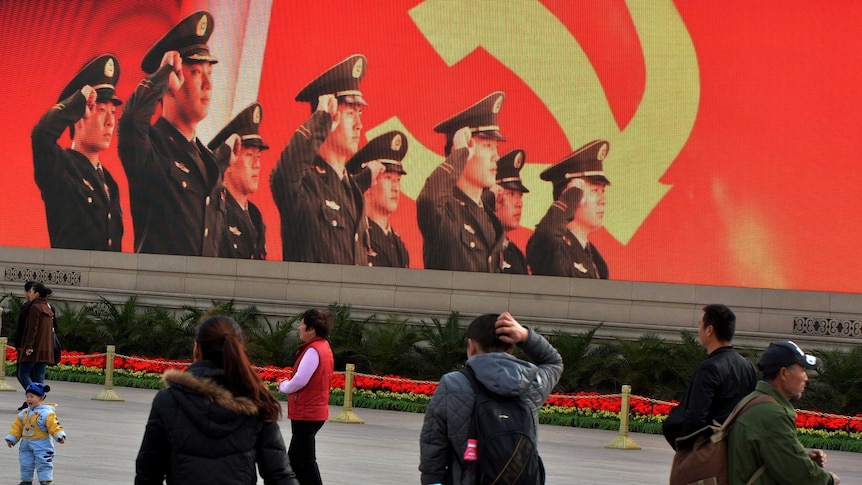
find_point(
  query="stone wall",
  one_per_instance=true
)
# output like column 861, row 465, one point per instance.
column 281, row 289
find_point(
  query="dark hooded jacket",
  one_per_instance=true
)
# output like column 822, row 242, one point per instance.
column 200, row 433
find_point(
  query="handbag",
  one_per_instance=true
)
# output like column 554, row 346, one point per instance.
column 58, row 350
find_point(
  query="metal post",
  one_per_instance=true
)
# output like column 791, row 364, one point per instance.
column 108, row 393
column 347, row 415
column 4, row 386
column 622, row 441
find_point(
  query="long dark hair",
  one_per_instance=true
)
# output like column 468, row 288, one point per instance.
column 41, row 289
column 220, row 341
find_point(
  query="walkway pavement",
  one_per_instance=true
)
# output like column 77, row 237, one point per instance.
column 104, row 438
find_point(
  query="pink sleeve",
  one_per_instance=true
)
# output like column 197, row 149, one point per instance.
column 306, row 368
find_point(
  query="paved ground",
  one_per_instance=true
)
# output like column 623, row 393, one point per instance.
column 104, row 438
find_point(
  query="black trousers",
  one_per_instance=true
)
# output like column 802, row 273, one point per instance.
column 301, row 452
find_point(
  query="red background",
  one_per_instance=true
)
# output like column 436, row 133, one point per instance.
column 770, row 168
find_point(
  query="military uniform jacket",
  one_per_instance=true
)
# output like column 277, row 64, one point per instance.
column 458, row 234
column 245, row 234
column 554, row 251
column 175, row 188
column 322, row 215
column 514, row 261
column 80, row 214
column 386, row 249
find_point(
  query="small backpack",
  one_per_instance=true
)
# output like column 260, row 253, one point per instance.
column 706, row 463
column 504, row 429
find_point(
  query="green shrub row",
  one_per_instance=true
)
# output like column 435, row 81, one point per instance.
column 653, row 366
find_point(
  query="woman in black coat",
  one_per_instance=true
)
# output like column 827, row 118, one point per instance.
column 216, row 421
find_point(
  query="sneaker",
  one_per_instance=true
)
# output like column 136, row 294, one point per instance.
column 21, row 408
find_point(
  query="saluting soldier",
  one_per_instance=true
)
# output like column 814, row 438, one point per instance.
column 244, row 234
column 82, row 202
column 560, row 246
column 321, row 206
column 508, row 204
column 459, row 231
column 175, row 188
column 381, row 199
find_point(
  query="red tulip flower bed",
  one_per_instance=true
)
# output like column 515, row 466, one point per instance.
column 393, row 392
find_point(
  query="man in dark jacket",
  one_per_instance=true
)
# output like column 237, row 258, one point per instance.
column 460, row 232
column 719, row 382
column 508, row 204
column 175, row 181
column 385, row 247
column 321, row 205
column 560, row 246
column 490, row 341
column 244, row 234
column 82, row 201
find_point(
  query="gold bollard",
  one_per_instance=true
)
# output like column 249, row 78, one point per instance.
column 108, row 393
column 347, row 415
column 622, row 441
column 4, row 386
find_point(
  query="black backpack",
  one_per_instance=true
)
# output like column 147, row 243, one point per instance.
column 504, row 429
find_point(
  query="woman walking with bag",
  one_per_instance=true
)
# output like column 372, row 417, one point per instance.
column 37, row 343
column 216, row 421
column 308, row 390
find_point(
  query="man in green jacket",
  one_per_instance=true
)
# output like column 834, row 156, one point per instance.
column 765, row 434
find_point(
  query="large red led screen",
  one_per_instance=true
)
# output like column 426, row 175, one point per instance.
column 699, row 142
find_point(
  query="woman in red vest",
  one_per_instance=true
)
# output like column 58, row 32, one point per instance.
column 308, row 390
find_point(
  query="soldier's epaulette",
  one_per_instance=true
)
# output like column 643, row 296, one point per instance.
column 320, row 170
column 59, row 106
column 559, row 204
column 304, row 132
column 145, row 82
column 447, row 167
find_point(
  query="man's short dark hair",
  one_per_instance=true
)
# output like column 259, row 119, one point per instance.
column 483, row 331
column 722, row 320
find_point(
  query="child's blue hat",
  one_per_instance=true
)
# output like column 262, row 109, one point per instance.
column 38, row 389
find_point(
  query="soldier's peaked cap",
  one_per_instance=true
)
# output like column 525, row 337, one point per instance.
column 246, row 124
column 188, row 37
column 585, row 162
column 509, row 170
column 340, row 80
column 481, row 118
column 388, row 148
column 101, row 73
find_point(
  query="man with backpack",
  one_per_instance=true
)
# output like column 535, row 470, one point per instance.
column 492, row 379
column 763, row 439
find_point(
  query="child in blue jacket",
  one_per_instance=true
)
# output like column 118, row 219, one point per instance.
column 34, row 427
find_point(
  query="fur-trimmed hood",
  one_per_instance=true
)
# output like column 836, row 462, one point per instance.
column 200, row 394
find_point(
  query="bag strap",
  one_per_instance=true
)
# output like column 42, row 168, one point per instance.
column 470, row 374
column 760, row 471
column 743, row 406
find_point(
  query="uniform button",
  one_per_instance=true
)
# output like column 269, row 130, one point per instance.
column 235, row 246
column 89, row 200
column 206, row 232
column 185, row 184
column 109, row 216
column 334, row 223
column 208, row 200
column 472, row 244
column 370, row 263
column 490, row 259
column 110, row 242
column 356, row 237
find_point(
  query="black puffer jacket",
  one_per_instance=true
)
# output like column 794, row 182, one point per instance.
column 199, row 433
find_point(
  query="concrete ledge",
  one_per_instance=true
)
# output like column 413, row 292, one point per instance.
column 282, row 289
